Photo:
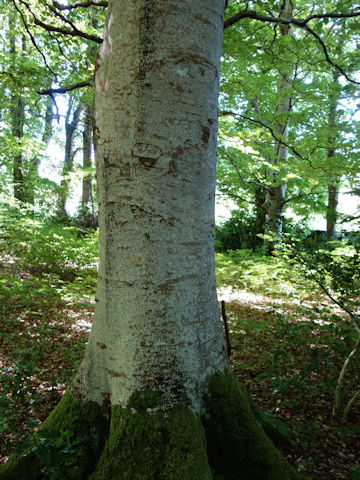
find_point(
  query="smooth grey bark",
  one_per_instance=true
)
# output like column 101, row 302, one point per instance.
column 276, row 190
column 70, row 129
column 156, row 324
column 156, row 359
column 17, row 130
column 87, row 147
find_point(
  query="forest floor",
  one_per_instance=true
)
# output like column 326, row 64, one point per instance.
column 288, row 346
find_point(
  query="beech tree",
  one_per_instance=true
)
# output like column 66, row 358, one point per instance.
column 275, row 124
column 153, row 398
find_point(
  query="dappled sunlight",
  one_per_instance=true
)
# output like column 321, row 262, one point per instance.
column 82, row 325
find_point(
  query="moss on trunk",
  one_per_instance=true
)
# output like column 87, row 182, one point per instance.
column 144, row 443
column 238, row 447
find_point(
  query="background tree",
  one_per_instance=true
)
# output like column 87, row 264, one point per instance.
column 248, row 100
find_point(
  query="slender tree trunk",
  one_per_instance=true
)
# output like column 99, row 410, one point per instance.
column 46, row 137
column 260, row 215
column 17, row 131
column 276, row 192
column 153, row 385
column 331, row 210
column 87, row 210
column 48, row 121
column 70, row 129
column 333, row 187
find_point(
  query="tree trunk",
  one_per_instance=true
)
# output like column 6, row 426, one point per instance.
column 48, row 121
column 260, row 215
column 46, row 137
column 87, row 207
column 276, row 193
column 17, row 131
column 333, row 187
column 70, row 129
column 152, row 399
column 331, row 210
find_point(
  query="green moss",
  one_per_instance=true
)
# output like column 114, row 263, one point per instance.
column 143, row 443
column 147, row 445
column 238, row 447
column 73, row 421
column 274, row 428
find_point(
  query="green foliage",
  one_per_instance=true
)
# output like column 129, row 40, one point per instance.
column 64, row 252
column 253, row 272
column 356, row 474
column 45, row 267
column 16, row 388
column 333, row 267
column 235, row 233
column 66, row 445
column 60, row 452
column 255, row 64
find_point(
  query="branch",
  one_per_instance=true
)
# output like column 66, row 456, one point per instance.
column 328, row 59
column 93, row 3
column 301, row 195
column 239, row 197
column 276, row 138
column 259, row 184
column 226, row 327
column 69, row 88
column 50, row 28
column 338, row 302
column 298, row 23
column 32, row 38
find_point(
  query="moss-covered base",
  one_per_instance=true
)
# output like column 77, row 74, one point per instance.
column 68, row 443
column 238, row 447
column 147, row 445
column 143, row 443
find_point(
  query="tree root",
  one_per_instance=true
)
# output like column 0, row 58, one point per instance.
column 141, row 442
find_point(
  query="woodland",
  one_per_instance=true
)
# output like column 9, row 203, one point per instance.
column 288, row 149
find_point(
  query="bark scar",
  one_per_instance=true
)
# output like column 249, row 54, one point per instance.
column 116, row 374
column 148, row 154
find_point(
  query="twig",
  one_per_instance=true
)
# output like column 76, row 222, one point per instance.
column 93, row 3
column 339, row 385
column 69, row 88
column 275, row 137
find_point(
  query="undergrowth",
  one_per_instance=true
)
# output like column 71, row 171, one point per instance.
column 288, row 341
